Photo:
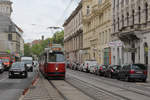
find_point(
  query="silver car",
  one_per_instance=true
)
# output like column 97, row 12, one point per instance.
column 1, row 67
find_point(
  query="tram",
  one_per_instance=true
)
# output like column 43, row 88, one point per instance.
column 52, row 62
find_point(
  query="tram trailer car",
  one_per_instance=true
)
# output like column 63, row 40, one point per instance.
column 52, row 63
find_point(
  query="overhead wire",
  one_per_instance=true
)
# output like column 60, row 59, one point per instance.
column 66, row 9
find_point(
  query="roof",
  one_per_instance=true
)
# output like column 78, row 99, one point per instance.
column 73, row 14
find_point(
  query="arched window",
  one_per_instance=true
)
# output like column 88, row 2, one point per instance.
column 146, row 12
column 139, row 15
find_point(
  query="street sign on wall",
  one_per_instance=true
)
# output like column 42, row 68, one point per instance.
column 115, row 43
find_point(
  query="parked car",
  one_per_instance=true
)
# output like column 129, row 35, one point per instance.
column 73, row 65
column 77, row 65
column 112, row 71
column 81, row 67
column 93, row 68
column 68, row 64
column 101, row 69
column 133, row 72
column 87, row 64
column 18, row 69
column 1, row 67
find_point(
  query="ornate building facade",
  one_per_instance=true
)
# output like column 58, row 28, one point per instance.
column 6, row 7
column 11, row 39
column 73, row 35
column 97, row 30
column 131, row 31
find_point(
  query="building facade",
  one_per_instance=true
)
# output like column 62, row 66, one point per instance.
column 97, row 30
column 131, row 31
column 6, row 7
column 10, row 34
column 73, row 35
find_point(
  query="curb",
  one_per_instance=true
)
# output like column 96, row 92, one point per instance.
column 27, row 89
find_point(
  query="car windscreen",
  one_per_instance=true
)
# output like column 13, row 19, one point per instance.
column 116, row 67
column 27, row 61
column 139, row 67
column 17, row 65
column 56, row 57
column 4, row 60
column 0, row 63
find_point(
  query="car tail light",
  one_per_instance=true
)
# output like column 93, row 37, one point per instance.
column 101, row 68
column 145, row 72
column 132, row 72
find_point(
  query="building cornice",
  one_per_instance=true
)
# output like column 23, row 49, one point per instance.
column 74, row 13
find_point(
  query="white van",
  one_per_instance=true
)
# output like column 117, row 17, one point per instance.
column 29, row 62
column 88, row 64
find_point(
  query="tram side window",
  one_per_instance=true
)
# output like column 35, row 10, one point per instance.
column 56, row 57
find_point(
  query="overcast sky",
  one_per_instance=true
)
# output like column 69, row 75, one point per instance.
column 34, row 16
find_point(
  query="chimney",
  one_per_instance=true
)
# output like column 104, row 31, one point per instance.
column 42, row 37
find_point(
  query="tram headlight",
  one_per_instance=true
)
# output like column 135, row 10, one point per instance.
column 56, row 68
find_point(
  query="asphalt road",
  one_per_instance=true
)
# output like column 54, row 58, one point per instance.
column 11, row 89
column 101, row 88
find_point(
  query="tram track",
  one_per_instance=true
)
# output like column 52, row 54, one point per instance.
column 136, row 89
column 125, row 88
column 60, row 93
column 95, row 88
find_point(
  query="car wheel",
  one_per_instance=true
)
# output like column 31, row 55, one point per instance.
column 31, row 69
column 10, row 77
column 127, row 79
column 144, row 80
column 110, row 76
column 26, row 75
column 118, row 78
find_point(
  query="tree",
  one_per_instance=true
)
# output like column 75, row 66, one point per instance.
column 59, row 38
column 36, row 49
column 27, row 50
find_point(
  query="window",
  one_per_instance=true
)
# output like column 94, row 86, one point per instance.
column 146, row 12
column 127, row 19
column 10, row 37
column 88, row 10
column 99, row 1
column 133, row 17
column 118, row 23
column 139, row 15
column 56, row 57
column 122, row 20
column 114, row 25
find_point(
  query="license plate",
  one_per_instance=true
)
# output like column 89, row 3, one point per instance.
column 17, row 73
column 139, row 72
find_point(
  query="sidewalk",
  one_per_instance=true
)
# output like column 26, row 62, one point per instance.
column 41, row 90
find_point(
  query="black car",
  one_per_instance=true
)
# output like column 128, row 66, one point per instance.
column 133, row 72
column 1, row 67
column 18, row 69
column 101, row 70
column 112, row 71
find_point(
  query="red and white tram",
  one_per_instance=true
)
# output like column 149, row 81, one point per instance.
column 52, row 63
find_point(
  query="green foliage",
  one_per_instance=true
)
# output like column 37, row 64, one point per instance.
column 37, row 49
column 58, row 38
column 27, row 50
